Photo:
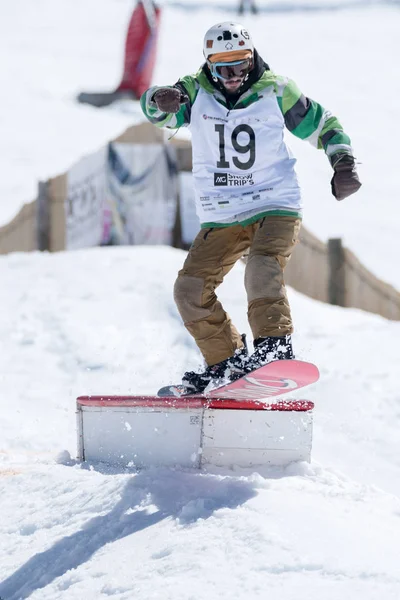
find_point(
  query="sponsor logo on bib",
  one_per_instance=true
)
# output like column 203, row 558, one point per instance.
column 228, row 179
column 220, row 178
column 205, row 117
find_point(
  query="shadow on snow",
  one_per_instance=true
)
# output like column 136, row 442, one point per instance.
column 148, row 498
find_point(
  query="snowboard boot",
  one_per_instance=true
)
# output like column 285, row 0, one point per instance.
column 227, row 370
column 268, row 349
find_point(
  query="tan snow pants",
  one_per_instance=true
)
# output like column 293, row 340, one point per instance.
column 212, row 255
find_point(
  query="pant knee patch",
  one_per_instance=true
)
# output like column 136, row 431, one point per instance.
column 264, row 278
column 188, row 296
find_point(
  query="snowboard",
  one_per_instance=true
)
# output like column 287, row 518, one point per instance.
column 273, row 379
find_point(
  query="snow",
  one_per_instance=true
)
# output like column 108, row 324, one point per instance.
column 103, row 321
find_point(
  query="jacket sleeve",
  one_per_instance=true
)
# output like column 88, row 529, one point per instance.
column 189, row 86
column 310, row 121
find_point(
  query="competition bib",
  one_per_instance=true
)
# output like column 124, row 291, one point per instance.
column 240, row 160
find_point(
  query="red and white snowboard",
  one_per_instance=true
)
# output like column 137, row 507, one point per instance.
column 273, row 379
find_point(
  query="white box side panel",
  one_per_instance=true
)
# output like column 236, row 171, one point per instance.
column 79, row 429
column 256, row 437
column 142, row 437
column 246, row 457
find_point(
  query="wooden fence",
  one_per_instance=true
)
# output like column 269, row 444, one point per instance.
column 20, row 235
column 332, row 273
column 326, row 272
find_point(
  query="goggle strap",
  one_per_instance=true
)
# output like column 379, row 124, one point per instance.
column 230, row 64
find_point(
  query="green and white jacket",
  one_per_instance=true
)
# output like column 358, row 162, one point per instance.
column 242, row 168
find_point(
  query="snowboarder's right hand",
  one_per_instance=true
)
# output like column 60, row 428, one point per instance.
column 169, row 99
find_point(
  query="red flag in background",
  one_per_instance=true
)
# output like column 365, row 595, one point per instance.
column 141, row 47
column 140, row 57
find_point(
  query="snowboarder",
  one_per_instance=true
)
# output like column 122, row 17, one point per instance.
column 247, row 194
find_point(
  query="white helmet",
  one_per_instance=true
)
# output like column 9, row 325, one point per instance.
column 227, row 37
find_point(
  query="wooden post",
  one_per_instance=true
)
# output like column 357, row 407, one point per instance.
column 177, row 231
column 337, row 284
column 43, row 217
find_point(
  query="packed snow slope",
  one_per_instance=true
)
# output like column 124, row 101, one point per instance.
column 342, row 53
column 104, row 321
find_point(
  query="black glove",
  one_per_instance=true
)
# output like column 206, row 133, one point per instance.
column 169, row 99
column 345, row 180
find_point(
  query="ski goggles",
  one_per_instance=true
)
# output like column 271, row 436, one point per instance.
column 228, row 70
